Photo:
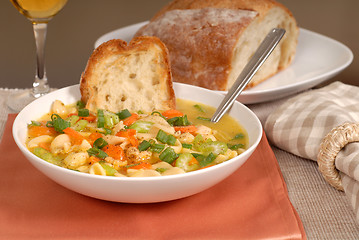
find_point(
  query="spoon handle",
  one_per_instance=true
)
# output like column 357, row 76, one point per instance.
column 261, row 54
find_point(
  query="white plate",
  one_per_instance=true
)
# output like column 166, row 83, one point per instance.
column 318, row 58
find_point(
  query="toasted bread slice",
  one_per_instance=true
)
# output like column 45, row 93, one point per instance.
column 135, row 76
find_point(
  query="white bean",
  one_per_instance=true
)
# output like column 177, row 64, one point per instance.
column 61, row 143
column 33, row 143
column 59, row 108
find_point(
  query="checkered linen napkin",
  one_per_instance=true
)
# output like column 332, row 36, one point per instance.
column 323, row 124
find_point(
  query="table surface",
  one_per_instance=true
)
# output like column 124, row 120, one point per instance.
column 324, row 211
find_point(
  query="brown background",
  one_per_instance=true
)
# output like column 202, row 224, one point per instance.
column 72, row 33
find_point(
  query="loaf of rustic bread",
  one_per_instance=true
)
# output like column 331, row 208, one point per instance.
column 210, row 41
column 136, row 76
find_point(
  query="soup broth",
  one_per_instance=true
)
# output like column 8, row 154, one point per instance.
column 126, row 144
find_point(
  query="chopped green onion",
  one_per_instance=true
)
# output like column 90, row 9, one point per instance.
column 83, row 112
column 165, row 138
column 124, row 114
column 80, row 104
column 204, row 118
column 208, row 160
column 239, row 136
column 171, row 140
column 58, row 123
column 235, row 146
column 157, row 148
column 179, row 121
column 97, row 153
column 161, row 136
column 186, row 145
column 168, row 155
column 100, row 143
column 199, row 108
column 100, row 118
column 34, row 123
column 159, row 114
column 106, row 131
column 204, row 160
column 144, row 145
column 161, row 170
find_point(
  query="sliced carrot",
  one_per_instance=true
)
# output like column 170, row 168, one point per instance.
column 142, row 165
column 93, row 137
column 172, row 113
column 182, row 129
column 93, row 159
column 114, row 151
column 75, row 136
column 131, row 119
column 193, row 161
column 45, row 145
column 130, row 135
column 90, row 118
column 35, row 131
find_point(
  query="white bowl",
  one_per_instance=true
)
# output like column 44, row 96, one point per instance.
column 136, row 189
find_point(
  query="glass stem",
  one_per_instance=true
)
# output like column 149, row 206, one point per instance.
column 40, row 85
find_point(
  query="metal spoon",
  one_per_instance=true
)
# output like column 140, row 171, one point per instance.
column 262, row 53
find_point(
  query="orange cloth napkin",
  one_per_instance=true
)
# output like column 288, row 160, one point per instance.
column 250, row 204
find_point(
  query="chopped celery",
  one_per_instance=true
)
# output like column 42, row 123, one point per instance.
column 111, row 119
column 73, row 119
column 110, row 171
column 185, row 162
column 80, row 125
column 47, row 156
column 141, row 126
column 215, row 147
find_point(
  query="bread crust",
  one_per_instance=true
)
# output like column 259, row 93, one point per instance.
column 118, row 47
column 203, row 62
column 260, row 6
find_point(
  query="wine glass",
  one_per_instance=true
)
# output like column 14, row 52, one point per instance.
column 39, row 12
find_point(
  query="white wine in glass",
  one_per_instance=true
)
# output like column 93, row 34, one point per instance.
column 39, row 12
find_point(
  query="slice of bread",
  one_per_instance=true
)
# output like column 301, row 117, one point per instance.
column 210, row 41
column 136, row 77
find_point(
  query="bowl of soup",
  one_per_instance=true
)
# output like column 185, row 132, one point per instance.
column 159, row 156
